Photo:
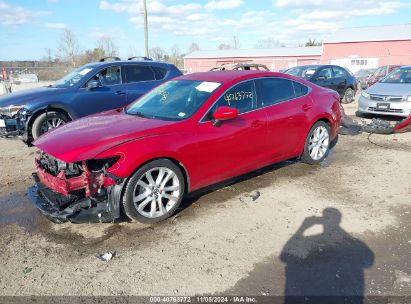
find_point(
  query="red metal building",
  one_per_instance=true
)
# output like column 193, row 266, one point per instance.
column 353, row 48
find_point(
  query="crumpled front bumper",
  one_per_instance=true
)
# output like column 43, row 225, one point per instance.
column 10, row 127
column 61, row 208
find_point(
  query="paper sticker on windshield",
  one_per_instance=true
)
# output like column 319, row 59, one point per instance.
column 181, row 114
column 207, row 86
column 84, row 71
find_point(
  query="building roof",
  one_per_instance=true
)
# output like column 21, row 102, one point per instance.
column 371, row 33
column 275, row 52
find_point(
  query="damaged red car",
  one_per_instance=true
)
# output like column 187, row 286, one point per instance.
column 186, row 134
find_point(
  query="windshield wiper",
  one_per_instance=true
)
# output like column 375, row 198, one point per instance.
column 139, row 114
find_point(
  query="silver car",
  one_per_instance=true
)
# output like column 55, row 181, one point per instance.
column 390, row 96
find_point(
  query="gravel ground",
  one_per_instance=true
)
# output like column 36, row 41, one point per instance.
column 287, row 241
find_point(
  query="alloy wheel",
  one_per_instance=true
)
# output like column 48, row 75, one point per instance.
column 51, row 123
column 156, row 192
column 318, row 143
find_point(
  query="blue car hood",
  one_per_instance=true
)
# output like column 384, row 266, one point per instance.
column 28, row 96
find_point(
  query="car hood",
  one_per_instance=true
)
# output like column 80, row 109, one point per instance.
column 27, row 96
column 87, row 137
column 391, row 89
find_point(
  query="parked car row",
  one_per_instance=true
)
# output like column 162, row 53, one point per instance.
column 184, row 133
column 362, row 76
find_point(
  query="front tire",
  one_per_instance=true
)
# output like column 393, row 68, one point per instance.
column 317, row 144
column 154, row 192
column 41, row 126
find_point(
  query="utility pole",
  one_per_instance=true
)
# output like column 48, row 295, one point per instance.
column 145, row 28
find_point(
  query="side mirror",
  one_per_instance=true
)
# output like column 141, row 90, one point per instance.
column 321, row 78
column 224, row 113
column 92, row 84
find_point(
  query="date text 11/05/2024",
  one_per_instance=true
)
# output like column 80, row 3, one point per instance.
column 204, row 299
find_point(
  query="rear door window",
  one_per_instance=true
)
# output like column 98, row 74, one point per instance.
column 274, row 90
column 138, row 73
column 326, row 73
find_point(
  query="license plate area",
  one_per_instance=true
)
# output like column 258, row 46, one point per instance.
column 382, row 106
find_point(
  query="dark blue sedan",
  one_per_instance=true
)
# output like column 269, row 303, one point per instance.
column 92, row 88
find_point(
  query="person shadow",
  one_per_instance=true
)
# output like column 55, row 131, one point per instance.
column 327, row 267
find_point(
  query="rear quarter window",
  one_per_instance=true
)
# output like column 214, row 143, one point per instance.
column 159, row 73
column 300, row 89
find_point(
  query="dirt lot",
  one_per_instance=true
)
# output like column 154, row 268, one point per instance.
column 223, row 242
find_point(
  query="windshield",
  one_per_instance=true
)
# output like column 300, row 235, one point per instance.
column 72, row 78
column 173, row 100
column 398, row 76
column 303, row 71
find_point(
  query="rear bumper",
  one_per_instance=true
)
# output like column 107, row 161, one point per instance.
column 60, row 208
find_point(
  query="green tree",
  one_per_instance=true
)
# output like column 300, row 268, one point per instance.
column 313, row 42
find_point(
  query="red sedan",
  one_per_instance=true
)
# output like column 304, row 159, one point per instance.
column 185, row 134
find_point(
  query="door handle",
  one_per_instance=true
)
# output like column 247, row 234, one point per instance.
column 306, row 107
column 120, row 93
column 256, row 124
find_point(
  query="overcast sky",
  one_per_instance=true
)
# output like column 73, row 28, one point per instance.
column 27, row 27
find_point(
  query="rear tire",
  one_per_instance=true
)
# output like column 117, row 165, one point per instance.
column 154, row 192
column 317, row 144
column 54, row 120
column 348, row 96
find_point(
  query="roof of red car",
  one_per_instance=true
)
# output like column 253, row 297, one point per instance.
column 224, row 76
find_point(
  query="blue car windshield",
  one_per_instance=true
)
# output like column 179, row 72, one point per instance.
column 398, row 76
column 173, row 100
column 72, row 78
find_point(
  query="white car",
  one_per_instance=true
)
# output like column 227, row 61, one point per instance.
column 390, row 96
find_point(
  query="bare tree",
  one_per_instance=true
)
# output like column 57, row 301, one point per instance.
column 108, row 46
column 90, row 56
column 268, row 43
column 224, row 46
column 236, row 44
column 68, row 47
column 175, row 56
column 157, row 53
column 193, row 47
column 49, row 54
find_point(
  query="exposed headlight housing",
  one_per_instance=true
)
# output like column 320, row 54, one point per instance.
column 10, row 110
column 365, row 95
column 97, row 165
